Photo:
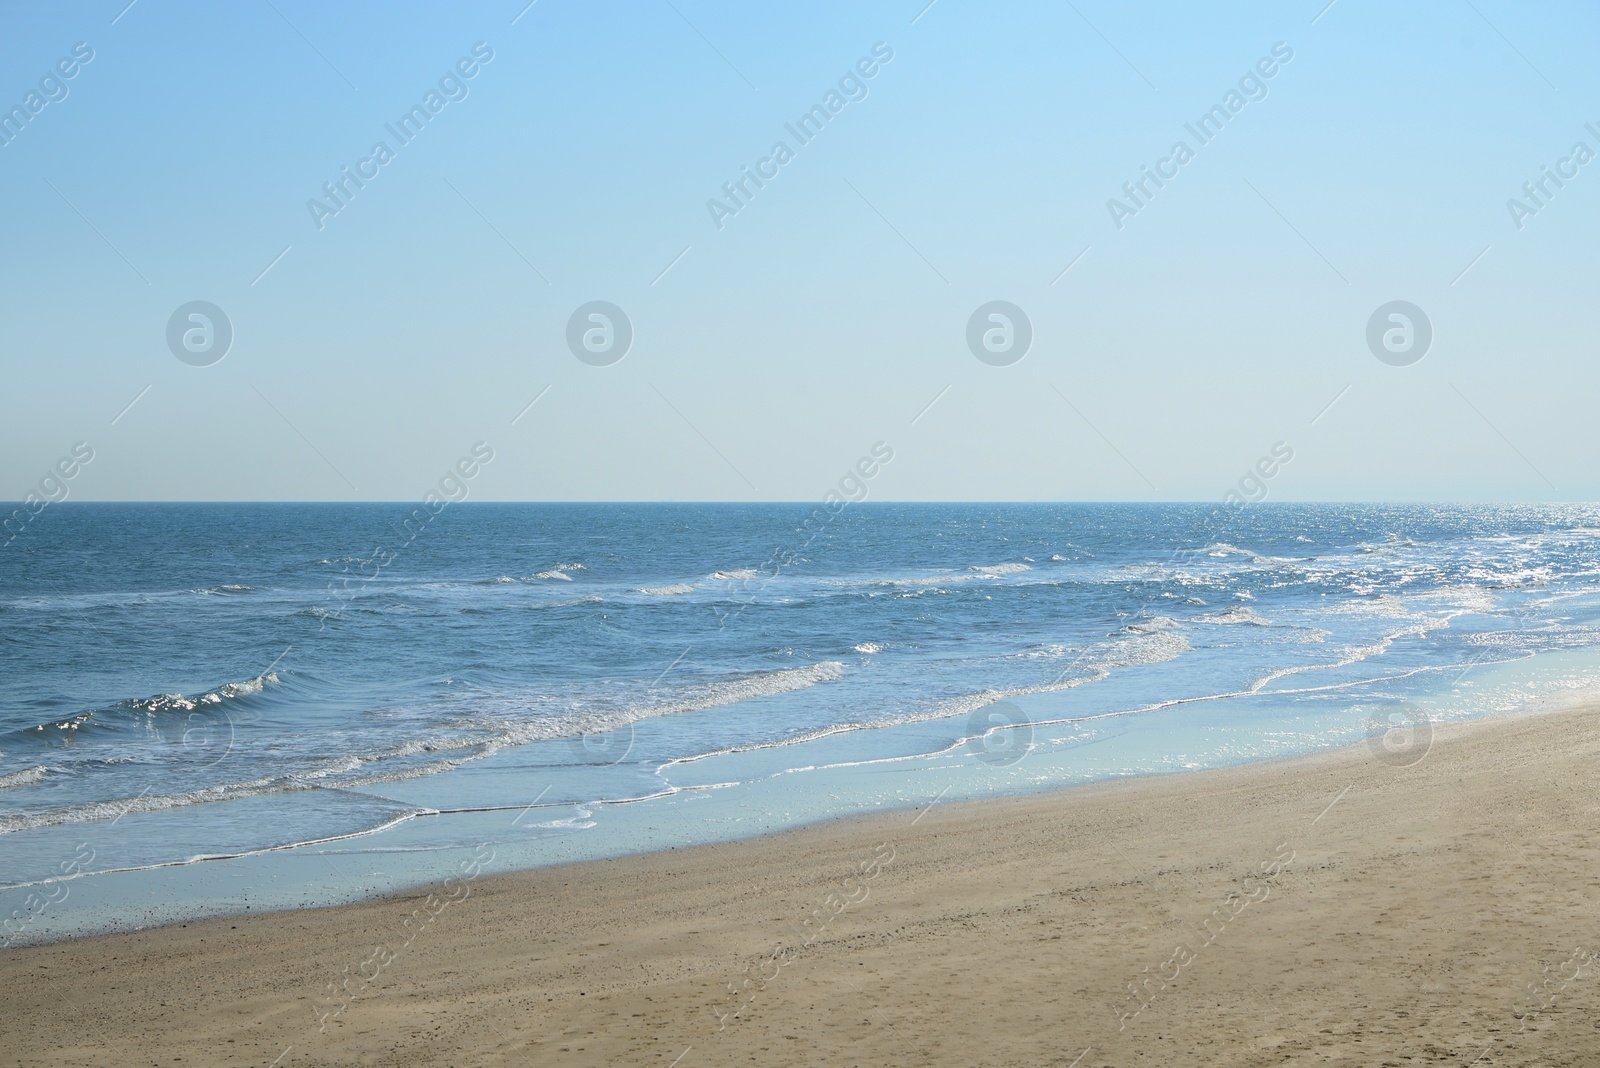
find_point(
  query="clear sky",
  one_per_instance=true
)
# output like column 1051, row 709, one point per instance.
column 773, row 347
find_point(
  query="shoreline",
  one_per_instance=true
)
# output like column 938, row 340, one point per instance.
column 1328, row 904
column 192, row 881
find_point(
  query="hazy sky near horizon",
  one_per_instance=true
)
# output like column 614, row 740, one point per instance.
column 1174, row 344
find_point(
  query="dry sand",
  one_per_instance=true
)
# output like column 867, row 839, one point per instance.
column 1437, row 913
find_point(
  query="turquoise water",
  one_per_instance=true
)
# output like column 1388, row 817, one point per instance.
column 217, row 708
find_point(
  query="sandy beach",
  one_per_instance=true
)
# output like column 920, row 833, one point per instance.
column 741, row 535
column 1336, row 909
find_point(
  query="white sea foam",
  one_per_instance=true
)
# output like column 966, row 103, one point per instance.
column 384, row 825
column 103, row 810
column 1234, row 616
column 927, row 580
column 177, row 702
column 748, row 687
column 1150, row 647
column 23, row 777
column 1053, row 650
column 1385, row 604
column 1352, row 655
column 580, row 822
column 70, row 724
column 999, row 569
column 693, row 699
column 1462, row 598
column 868, row 647
column 249, row 686
column 677, row 589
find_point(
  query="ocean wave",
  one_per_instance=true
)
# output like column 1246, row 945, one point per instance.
column 925, row 581
column 334, row 773
column 481, row 736
column 560, row 571
column 913, row 590
column 696, row 698
column 1462, row 598
column 1051, row 651
column 676, row 589
column 1384, row 604
column 1367, row 548
column 746, row 688
column 868, row 647
column 71, row 723
column 1234, row 616
column 23, row 777
column 1124, row 651
column 86, row 811
column 380, row 775
column 389, row 821
column 177, row 702
column 737, row 574
column 1139, row 649
column 144, row 709
column 1350, row 655
column 972, row 573
column 471, row 738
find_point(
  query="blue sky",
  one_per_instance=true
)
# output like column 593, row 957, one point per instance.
column 1221, row 319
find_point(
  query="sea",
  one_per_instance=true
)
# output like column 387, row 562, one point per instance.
column 213, row 709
